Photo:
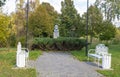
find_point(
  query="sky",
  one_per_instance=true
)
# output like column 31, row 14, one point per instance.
column 80, row 5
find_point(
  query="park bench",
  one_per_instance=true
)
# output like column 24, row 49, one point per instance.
column 98, row 52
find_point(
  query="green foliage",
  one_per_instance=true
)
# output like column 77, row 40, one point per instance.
column 80, row 55
column 116, row 40
column 97, row 27
column 40, row 23
column 51, row 11
column 2, row 2
column 95, row 19
column 12, row 40
column 19, row 20
column 60, row 44
column 4, row 29
column 22, row 40
column 34, row 54
column 108, row 31
column 34, row 4
column 70, row 20
column 110, row 8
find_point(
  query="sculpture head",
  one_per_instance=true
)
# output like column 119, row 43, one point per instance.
column 56, row 27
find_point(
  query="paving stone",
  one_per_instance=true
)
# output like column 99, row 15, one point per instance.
column 62, row 64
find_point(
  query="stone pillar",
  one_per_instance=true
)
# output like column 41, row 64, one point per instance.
column 106, row 61
column 18, row 52
column 20, row 57
column 19, row 48
column 21, row 60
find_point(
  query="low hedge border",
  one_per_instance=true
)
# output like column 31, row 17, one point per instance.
column 59, row 44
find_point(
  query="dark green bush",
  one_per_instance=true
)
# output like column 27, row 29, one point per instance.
column 59, row 44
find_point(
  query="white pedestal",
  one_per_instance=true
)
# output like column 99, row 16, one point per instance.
column 21, row 56
column 106, row 61
column 21, row 59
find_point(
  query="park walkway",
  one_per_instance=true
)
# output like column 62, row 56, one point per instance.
column 59, row 64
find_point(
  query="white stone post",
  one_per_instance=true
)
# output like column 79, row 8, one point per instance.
column 106, row 61
column 19, row 48
column 21, row 60
column 20, row 57
column 18, row 52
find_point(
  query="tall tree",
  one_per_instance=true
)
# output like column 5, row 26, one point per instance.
column 102, row 29
column 40, row 23
column 68, row 18
column 51, row 11
column 2, row 2
column 4, row 29
column 110, row 8
column 12, row 40
column 34, row 4
column 95, row 20
column 117, row 36
column 108, row 31
column 19, row 19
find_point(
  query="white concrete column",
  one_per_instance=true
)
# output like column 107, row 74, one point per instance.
column 106, row 61
column 19, row 48
column 18, row 52
column 20, row 56
column 21, row 60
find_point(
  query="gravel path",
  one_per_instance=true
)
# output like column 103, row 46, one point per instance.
column 59, row 64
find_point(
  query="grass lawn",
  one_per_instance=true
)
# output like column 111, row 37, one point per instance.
column 8, row 61
column 114, row 50
column 35, row 54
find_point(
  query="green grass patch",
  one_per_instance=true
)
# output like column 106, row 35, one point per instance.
column 80, row 55
column 34, row 54
column 8, row 72
column 8, row 61
column 114, row 50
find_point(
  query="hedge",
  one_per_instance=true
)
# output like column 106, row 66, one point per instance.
column 59, row 44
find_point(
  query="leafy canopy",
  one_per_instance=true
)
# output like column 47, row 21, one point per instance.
column 40, row 22
column 110, row 8
column 4, row 28
column 69, row 19
column 2, row 2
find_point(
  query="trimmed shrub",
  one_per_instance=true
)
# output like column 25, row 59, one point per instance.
column 59, row 44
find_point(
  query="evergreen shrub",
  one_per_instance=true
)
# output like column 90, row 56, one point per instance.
column 59, row 44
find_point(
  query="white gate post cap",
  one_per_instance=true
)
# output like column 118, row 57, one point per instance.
column 19, row 43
